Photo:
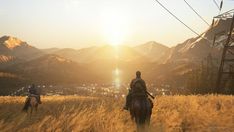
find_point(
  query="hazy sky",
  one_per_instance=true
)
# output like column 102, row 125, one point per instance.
column 84, row 23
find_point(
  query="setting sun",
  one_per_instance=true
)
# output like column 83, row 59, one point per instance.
column 114, row 26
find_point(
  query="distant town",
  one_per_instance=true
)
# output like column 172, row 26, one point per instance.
column 93, row 89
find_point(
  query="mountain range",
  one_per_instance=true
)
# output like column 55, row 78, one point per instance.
column 22, row 62
column 198, row 48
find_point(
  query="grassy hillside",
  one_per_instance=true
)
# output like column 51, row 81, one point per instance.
column 72, row 113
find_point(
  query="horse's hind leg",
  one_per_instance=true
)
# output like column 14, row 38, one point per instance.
column 148, row 120
column 31, row 111
column 140, row 128
column 132, row 118
column 36, row 108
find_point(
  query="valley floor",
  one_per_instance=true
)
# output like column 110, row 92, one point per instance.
column 92, row 114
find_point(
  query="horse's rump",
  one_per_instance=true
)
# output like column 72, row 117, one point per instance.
column 140, row 109
column 33, row 101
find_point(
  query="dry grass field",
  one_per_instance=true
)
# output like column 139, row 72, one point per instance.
column 86, row 114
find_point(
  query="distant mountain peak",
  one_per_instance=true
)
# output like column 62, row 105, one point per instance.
column 12, row 46
column 11, row 42
column 152, row 44
column 153, row 50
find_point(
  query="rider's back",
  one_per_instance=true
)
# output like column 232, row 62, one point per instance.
column 32, row 91
column 138, row 86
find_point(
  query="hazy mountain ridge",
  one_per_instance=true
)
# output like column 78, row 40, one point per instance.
column 152, row 50
column 6, row 60
column 49, row 68
column 102, row 53
column 93, row 64
column 149, row 51
column 196, row 49
column 80, row 55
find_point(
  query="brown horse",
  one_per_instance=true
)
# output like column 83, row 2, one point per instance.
column 141, row 110
column 33, row 104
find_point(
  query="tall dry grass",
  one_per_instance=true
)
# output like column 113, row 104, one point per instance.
column 72, row 113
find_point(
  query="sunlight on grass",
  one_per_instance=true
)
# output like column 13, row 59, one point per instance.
column 74, row 113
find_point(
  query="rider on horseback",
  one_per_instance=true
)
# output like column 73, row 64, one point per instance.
column 33, row 92
column 137, row 88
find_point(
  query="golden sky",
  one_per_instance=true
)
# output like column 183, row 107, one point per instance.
column 84, row 23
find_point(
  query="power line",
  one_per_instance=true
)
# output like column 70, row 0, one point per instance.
column 216, row 4
column 182, row 21
column 196, row 12
column 177, row 18
column 219, row 6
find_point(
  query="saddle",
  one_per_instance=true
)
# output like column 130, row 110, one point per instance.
column 33, row 95
column 139, row 94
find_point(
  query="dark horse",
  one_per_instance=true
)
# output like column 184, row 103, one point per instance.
column 141, row 110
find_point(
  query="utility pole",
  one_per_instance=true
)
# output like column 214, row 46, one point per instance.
column 227, row 55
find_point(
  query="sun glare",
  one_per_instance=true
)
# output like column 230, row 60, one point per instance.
column 114, row 26
column 116, row 75
column 117, row 72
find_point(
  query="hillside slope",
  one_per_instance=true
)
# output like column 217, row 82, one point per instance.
column 196, row 49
